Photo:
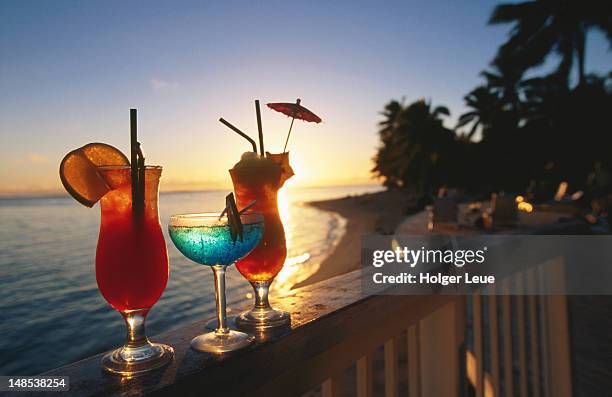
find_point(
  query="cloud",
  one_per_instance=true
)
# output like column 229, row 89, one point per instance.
column 159, row 84
column 34, row 158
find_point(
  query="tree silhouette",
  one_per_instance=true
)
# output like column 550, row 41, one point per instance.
column 543, row 97
column 414, row 146
column 505, row 81
column 484, row 105
column 537, row 129
column 546, row 26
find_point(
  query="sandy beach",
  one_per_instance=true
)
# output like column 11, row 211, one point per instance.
column 379, row 212
column 388, row 212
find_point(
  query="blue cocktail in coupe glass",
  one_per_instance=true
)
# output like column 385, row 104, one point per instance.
column 208, row 239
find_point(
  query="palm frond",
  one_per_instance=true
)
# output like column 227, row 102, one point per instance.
column 505, row 13
column 441, row 110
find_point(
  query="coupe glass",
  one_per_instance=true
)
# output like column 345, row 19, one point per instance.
column 207, row 239
column 261, row 184
column 132, row 268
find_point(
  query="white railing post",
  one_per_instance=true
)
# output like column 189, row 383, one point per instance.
column 441, row 337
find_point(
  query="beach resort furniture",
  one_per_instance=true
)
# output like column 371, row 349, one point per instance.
column 561, row 191
column 453, row 192
column 504, row 210
column 442, row 214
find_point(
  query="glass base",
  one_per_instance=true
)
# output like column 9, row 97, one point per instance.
column 213, row 323
column 134, row 361
column 214, row 342
column 261, row 319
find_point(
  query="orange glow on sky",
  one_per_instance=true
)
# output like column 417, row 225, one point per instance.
column 72, row 71
column 198, row 155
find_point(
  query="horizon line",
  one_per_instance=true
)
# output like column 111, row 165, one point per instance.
column 60, row 194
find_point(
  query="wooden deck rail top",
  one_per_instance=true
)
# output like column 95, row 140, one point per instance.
column 329, row 319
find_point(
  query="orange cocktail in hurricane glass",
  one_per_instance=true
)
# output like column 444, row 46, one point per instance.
column 258, row 179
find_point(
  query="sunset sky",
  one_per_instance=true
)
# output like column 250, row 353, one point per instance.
column 70, row 71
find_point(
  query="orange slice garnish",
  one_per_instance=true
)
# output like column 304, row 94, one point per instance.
column 79, row 173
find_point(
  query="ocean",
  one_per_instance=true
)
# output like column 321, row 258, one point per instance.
column 51, row 312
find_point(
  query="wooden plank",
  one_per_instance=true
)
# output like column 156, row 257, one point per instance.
column 440, row 352
column 460, row 341
column 478, row 343
column 508, row 354
column 364, row 376
column 544, row 343
column 522, row 343
column 544, row 340
column 557, row 327
column 391, row 364
column 494, row 332
column 460, row 311
column 558, row 337
column 414, row 362
column 329, row 388
column 534, row 358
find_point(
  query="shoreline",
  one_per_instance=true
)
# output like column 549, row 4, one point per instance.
column 378, row 213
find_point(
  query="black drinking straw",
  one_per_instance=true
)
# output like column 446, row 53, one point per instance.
column 259, row 128
column 137, row 166
column 134, row 157
column 242, row 134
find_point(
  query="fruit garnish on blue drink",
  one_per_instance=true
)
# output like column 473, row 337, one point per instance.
column 218, row 240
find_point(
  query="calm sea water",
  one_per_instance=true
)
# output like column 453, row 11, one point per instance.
column 51, row 312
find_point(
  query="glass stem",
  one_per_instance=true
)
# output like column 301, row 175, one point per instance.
column 261, row 289
column 135, row 321
column 219, row 271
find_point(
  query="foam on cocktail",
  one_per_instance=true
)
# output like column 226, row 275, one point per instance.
column 252, row 159
column 272, row 165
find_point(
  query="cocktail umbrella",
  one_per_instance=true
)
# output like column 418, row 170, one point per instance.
column 295, row 111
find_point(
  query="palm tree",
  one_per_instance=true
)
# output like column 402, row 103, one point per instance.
column 391, row 118
column 484, row 105
column 386, row 159
column 543, row 99
column 545, row 26
column 505, row 81
column 413, row 142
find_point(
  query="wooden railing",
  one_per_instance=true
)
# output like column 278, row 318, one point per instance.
column 432, row 345
column 525, row 340
column 333, row 326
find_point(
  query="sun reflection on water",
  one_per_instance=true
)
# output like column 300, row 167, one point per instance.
column 288, row 274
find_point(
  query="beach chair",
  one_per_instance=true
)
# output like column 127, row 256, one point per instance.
column 443, row 214
column 561, row 191
column 504, row 210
